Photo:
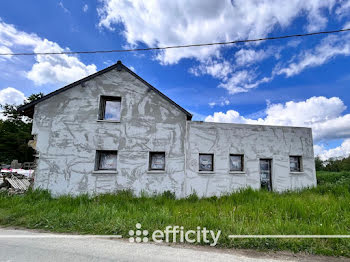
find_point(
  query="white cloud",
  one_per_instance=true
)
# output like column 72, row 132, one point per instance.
column 343, row 9
column 324, row 115
column 59, row 68
column 63, row 7
column 318, row 149
column 85, row 8
column 233, row 78
column 48, row 69
column 243, row 81
column 214, row 68
column 162, row 23
column 338, row 152
column 237, row 77
column 239, row 82
column 225, row 102
column 231, row 116
column 313, row 111
column 249, row 56
column 11, row 96
column 5, row 50
column 329, row 48
column 11, row 37
column 221, row 102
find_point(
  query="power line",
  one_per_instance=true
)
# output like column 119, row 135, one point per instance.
column 174, row 47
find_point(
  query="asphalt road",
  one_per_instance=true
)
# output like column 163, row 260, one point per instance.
column 20, row 245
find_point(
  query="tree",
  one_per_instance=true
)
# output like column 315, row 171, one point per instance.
column 15, row 132
column 319, row 164
column 346, row 164
column 34, row 97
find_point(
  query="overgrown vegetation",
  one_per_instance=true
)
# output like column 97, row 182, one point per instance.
column 15, row 132
column 333, row 165
column 322, row 210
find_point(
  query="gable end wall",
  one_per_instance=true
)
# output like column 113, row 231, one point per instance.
column 68, row 135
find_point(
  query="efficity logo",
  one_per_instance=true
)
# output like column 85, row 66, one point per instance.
column 173, row 234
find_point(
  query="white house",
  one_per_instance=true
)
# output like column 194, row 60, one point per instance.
column 112, row 131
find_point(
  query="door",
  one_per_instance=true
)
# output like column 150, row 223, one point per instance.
column 265, row 174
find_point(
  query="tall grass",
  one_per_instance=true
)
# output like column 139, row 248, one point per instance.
column 317, row 211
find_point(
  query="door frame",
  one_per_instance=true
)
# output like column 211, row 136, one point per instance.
column 271, row 163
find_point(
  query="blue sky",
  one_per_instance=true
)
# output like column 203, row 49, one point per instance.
column 300, row 82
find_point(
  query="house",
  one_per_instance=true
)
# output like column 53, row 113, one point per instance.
column 113, row 131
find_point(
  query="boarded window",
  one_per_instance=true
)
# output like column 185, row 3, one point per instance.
column 295, row 163
column 236, row 162
column 110, row 108
column 206, row 162
column 157, row 161
column 106, row 160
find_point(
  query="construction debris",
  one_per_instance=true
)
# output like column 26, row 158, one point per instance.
column 14, row 183
column 28, row 173
column 16, row 178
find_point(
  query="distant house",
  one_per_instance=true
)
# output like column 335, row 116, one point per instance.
column 112, row 131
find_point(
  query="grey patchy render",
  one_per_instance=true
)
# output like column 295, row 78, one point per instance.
column 151, row 145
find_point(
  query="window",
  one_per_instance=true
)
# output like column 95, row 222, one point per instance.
column 206, row 162
column 157, row 161
column 110, row 108
column 106, row 160
column 295, row 163
column 236, row 162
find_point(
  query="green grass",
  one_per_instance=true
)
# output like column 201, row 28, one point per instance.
column 316, row 211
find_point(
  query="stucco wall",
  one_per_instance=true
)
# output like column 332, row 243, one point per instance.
column 255, row 142
column 68, row 135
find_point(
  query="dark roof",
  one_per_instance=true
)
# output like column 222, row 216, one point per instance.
column 28, row 109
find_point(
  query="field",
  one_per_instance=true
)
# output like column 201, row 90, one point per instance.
column 324, row 210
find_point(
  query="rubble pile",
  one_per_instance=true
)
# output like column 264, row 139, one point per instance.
column 14, row 183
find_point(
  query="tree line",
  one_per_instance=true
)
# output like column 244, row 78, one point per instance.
column 15, row 133
column 333, row 165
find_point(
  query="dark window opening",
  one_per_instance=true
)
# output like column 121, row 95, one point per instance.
column 206, row 162
column 106, row 160
column 236, row 162
column 110, row 108
column 295, row 163
column 157, row 161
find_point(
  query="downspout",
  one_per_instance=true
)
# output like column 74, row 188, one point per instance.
column 185, row 151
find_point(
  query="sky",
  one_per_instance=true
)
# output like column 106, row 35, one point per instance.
column 290, row 82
